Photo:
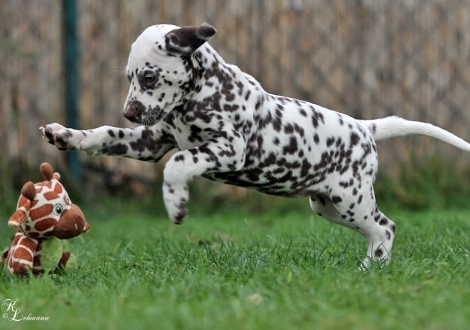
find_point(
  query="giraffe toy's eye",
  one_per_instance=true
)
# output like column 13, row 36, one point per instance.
column 57, row 209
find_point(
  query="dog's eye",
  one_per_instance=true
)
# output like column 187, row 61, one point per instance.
column 150, row 79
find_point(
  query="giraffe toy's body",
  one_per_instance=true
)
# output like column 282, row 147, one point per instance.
column 43, row 216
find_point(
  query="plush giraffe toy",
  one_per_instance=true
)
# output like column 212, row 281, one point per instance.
column 44, row 216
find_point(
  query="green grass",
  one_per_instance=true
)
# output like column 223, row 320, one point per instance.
column 242, row 270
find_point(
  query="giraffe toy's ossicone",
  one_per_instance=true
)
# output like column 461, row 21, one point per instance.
column 44, row 215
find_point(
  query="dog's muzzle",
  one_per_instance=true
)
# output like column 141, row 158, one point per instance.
column 133, row 111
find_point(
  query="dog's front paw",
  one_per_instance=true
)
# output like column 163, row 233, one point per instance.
column 176, row 199
column 63, row 138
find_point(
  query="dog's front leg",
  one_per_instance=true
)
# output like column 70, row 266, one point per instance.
column 143, row 143
column 217, row 156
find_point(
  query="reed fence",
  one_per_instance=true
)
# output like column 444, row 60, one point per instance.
column 366, row 58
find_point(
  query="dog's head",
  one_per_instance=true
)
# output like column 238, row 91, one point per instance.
column 160, row 70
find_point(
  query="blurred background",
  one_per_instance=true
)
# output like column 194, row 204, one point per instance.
column 63, row 61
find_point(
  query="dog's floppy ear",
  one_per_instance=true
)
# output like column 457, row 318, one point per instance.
column 187, row 39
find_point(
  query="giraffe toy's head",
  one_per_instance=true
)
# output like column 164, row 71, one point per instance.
column 44, row 216
column 44, row 209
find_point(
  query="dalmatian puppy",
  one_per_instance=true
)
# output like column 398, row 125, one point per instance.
column 227, row 128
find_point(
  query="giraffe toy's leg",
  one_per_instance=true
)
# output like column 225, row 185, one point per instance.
column 3, row 257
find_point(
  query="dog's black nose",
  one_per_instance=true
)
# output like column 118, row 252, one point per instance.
column 130, row 112
column 133, row 111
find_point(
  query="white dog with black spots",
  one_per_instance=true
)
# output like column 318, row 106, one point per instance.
column 227, row 128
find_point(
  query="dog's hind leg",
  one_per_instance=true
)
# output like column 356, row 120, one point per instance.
column 360, row 213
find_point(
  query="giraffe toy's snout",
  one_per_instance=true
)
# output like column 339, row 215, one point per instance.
column 71, row 224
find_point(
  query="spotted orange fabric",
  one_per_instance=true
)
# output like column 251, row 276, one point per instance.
column 44, row 210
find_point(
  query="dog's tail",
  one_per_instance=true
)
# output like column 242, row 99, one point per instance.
column 393, row 126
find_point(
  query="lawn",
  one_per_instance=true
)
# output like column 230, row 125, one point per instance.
column 241, row 270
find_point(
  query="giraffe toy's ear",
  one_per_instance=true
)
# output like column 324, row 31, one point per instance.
column 28, row 193
column 47, row 171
